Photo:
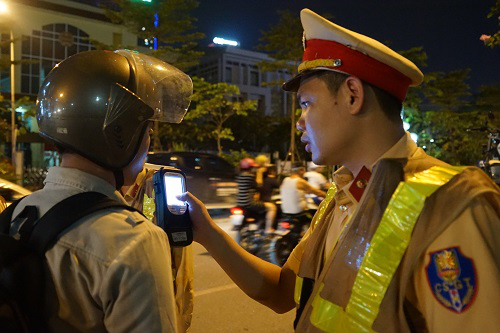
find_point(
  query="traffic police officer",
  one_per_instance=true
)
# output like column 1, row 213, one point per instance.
column 403, row 242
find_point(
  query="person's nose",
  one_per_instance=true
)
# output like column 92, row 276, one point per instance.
column 301, row 125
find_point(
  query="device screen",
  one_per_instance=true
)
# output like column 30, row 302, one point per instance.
column 174, row 186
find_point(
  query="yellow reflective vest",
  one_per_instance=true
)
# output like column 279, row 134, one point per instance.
column 381, row 259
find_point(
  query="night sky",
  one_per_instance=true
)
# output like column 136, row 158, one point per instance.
column 449, row 30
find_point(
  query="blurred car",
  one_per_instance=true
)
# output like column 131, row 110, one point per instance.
column 11, row 192
column 209, row 177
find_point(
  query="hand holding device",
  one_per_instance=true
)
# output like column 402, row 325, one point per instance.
column 171, row 213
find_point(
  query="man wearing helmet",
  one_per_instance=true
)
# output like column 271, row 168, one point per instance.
column 110, row 271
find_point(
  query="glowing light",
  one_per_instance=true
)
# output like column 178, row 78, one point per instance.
column 414, row 137
column 431, row 140
column 4, row 9
column 222, row 41
column 97, row 99
column 61, row 95
column 406, row 125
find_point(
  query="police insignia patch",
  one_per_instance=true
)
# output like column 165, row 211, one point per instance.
column 452, row 278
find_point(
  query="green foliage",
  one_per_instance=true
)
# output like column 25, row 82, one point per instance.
column 444, row 134
column 214, row 104
column 21, row 120
column 235, row 156
column 283, row 42
column 175, row 32
column 449, row 90
column 495, row 38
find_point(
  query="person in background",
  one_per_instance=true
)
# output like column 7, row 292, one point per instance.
column 262, row 162
column 293, row 190
column 269, row 185
column 317, row 180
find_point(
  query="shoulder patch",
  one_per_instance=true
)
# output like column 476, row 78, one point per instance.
column 452, row 278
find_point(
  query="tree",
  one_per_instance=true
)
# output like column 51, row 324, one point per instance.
column 214, row 105
column 449, row 90
column 170, row 22
column 494, row 40
column 283, row 42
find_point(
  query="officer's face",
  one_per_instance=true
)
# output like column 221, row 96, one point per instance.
column 325, row 122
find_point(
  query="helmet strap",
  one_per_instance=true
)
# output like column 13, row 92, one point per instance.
column 119, row 180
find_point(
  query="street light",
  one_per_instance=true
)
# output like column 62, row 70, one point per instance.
column 4, row 10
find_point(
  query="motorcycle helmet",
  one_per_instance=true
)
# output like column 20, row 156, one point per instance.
column 98, row 103
column 262, row 160
column 247, row 163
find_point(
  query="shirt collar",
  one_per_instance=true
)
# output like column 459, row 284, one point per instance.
column 60, row 177
column 343, row 177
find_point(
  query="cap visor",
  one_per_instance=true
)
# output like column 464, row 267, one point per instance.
column 293, row 84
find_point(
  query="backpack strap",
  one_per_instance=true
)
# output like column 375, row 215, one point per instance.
column 65, row 213
column 6, row 217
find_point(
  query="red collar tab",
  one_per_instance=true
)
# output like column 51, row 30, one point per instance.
column 358, row 64
column 359, row 184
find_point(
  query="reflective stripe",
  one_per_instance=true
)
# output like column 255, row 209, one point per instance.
column 383, row 256
column 323, row 205
column 148, row 206
column 298, row 289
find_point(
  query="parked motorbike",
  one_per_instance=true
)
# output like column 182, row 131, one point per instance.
column 491, row 162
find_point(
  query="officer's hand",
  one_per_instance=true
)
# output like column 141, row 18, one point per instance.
column 202, row 222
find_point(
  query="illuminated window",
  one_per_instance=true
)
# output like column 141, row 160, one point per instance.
column 47, row 47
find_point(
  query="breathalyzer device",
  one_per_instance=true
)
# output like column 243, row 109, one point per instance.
column 171, row 213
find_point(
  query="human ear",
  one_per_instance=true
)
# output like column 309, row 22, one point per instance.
column 355, row 94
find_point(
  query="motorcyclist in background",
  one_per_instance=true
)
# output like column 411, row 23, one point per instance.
column 317, row 180
column 293, row 190
column 248, row 197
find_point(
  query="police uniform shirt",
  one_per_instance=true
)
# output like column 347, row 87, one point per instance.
column 460, row 253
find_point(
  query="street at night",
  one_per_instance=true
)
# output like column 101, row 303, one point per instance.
column 220, row 306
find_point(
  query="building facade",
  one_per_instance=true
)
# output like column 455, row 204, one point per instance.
column 240, row 67
column 46, row 32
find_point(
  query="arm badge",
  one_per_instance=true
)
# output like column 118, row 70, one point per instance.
column 452, row 278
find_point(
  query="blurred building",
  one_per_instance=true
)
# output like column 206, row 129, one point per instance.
column 240, row 67
column 46, row 32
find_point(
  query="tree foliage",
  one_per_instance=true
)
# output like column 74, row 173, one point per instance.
column 21, row 119
column 441, row 111
column 283, row 42
column 493, row 40
column 215, row 104
column 206, row 124
column 175, row 31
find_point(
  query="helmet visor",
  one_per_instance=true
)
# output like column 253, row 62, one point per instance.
column 166, row 89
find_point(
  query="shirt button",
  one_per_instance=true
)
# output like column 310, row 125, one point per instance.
column 361, row 183
column 343, row 208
